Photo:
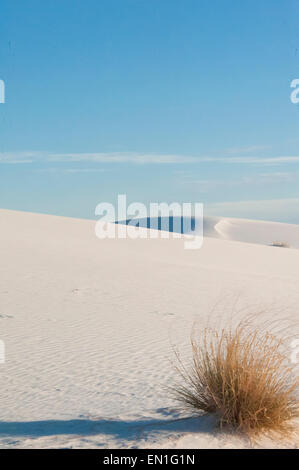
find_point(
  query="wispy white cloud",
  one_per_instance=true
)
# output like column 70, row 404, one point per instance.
column 140, row 158
column 273, row 209
column 208, row 185
column 15, row 158
column 270, row 178
column 262, row 160
column 16, row 162
column 124, row 157
column 70, row 170
column 145, row 158
column 108, row 157
column 24, row 157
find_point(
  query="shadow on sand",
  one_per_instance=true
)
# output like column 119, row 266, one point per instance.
column 119, row 429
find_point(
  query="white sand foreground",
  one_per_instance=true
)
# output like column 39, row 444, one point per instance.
column 88, row 326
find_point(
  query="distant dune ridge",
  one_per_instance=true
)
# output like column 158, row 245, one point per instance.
column 243, row 230
column 88, row 326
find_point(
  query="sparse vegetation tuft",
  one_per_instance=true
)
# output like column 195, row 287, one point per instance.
column 241, row 376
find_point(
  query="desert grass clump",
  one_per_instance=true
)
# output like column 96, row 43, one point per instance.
column 243, row 377
column 280, row 244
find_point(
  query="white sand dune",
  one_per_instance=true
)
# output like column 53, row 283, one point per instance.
column 243, row 230
column 88, row 326
column 253, row 231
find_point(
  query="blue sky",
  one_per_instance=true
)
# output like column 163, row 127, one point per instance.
column 164, row 100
